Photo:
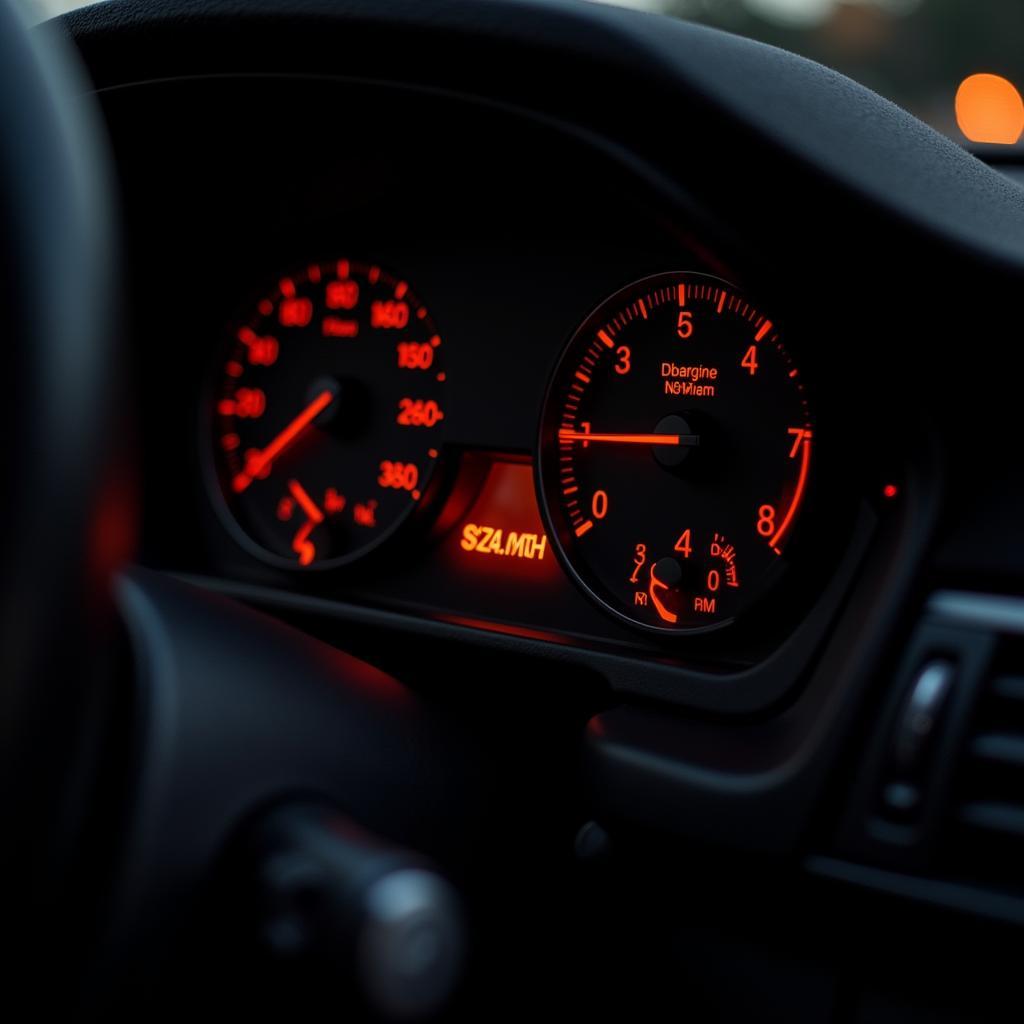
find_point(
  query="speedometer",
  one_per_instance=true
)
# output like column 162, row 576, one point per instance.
column 675, row 453
column 328, row 415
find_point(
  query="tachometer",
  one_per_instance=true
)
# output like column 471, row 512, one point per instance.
column 675, row 453
column 329, row 414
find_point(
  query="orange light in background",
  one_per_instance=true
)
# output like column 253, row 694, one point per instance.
column 990, row 109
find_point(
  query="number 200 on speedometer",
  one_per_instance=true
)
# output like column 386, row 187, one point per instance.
column 675, row 453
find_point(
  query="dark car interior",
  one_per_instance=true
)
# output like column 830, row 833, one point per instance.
column 513, row 508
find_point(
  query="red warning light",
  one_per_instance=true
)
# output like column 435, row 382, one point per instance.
column 890, row 491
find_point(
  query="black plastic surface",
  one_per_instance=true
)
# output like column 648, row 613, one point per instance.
column 793, row 108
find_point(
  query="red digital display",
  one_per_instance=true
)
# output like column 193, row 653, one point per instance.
column 502, row 533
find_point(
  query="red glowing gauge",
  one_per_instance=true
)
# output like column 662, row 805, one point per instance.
column 675, row 453
column 329, row 415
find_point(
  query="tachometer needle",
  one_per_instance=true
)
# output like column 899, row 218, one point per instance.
column 689, row 440
column 257, row 462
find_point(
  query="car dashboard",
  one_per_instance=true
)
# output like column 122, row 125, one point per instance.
column 567, row 382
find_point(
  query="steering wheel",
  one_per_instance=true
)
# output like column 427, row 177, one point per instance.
column 60, row 542
column 145, row 726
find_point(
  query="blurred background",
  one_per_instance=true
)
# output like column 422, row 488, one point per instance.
column 915, row 52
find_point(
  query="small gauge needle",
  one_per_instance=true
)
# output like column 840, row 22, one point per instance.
column 659, row 607
column 258, row 461
column 690, row 440
column 308, row 505
column 302, row 545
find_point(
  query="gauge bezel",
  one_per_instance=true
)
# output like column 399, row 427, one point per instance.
column 765, row 584
column 417, row 510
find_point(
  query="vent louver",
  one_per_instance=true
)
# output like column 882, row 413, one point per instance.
column 986, row 841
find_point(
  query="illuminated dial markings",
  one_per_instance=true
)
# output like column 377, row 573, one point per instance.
column 329, row 414
column 675, row 453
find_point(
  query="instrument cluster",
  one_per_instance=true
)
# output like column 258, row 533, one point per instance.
column 672, row 459
column 435, row 391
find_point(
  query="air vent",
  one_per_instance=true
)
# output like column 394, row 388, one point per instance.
column 985, row 841
column 938, row 812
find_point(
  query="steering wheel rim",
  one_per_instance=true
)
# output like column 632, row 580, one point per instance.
column 65, row 523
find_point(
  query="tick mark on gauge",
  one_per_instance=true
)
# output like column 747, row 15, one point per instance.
column 584, row 527
column 765, row 328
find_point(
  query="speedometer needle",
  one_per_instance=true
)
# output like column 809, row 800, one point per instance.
column 257, row 462
column 690, row 440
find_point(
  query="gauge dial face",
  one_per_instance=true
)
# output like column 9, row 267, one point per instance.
column 675, row 453
column 329, row 414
